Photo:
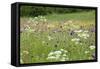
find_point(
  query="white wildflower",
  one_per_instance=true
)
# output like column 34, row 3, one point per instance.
column 63, row 50
column 50, row 38
column 78, row 31
column 92, row 47
column 57, row 52
column 64, row 55
column 83, row 35
column 25, row 52
column 63, row 59
column 75, row 39
column 27, row 27
column 21, row 61
column 57, row 55
column 35, row 17
column 51, row 53
column 51, row 57
column 79, row 35
column 86, row 52
column 43, row 42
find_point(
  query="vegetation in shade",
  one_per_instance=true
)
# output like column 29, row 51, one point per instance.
column 43, row 10
column 57, row 37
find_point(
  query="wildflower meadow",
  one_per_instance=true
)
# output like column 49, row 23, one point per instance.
column 57, row 37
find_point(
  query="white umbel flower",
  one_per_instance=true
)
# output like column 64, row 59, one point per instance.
column 75, row 39
column 78, row 31
column 59, row 55
column 92, row 47
column 51, row 57
column 50, row 38
column 86, row 52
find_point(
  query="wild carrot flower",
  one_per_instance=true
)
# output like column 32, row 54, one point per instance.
column 75, row 39
column 78, row 31
column 92, row 47
column 86, row 52
column 50, row 38
column 59, row 55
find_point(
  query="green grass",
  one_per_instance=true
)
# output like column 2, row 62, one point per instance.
column 33, row 50
column 87, row 16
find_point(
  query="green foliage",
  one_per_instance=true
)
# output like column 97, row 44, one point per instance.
column 41, row 10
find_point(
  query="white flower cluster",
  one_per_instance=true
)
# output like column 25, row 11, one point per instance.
column 29, row 29
column 92, row 47
column 59, row 55
column 50, row 38
column 76, row 40
column 82, row 34
column 37, row 19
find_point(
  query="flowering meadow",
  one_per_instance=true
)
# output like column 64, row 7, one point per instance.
column 57, row 37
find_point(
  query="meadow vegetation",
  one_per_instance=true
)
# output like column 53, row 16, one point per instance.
column 57, row 37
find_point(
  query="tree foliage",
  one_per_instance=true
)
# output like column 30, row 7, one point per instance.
column 41, row 10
